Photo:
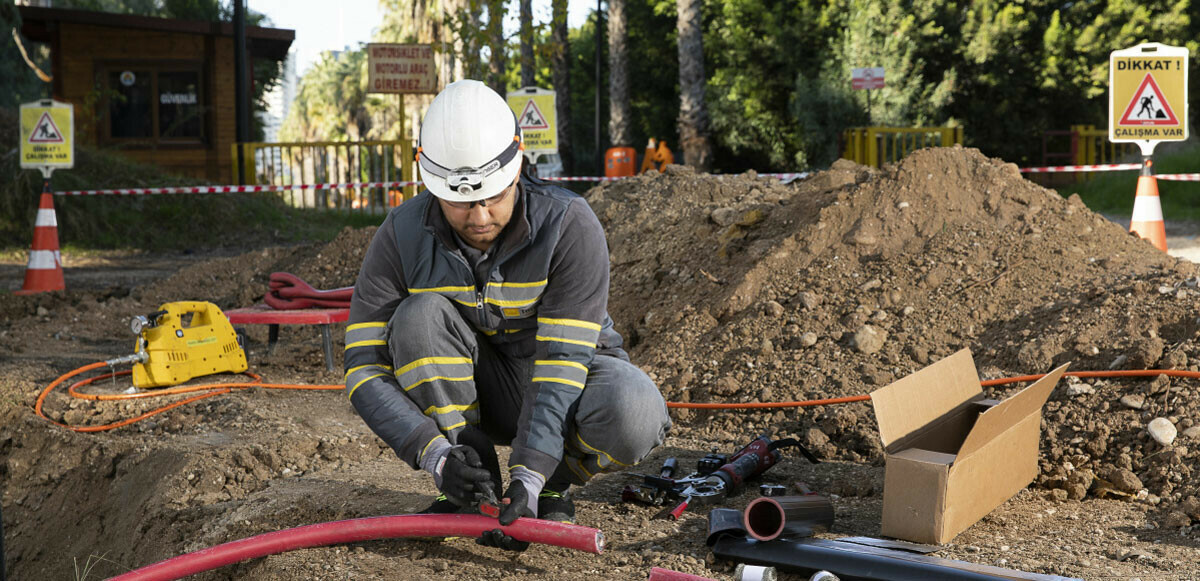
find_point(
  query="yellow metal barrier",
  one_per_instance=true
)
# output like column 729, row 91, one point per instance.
column 875, row 146
column 1095, row 148
column 324, row 162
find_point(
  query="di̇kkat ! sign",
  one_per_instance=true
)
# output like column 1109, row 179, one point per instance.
column 1147, row 94
column 401, row 68
column 47, row 135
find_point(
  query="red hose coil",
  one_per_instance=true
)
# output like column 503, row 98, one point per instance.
column 367, row 529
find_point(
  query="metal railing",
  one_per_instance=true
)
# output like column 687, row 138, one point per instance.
column 330, row 162
column 1081, row 145
column 1094, row 148
column 875, row 146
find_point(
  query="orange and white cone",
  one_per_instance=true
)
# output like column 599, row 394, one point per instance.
column 44, row 271
column 1147, row 219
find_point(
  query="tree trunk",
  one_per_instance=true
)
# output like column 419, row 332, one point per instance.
column 528, row 63
column 693, row 114
column 560, row 73
column 498, row 60
column 619, row 128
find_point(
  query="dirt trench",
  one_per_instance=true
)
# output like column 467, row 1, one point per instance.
column 727, row 288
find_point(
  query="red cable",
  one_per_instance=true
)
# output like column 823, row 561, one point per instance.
column 367, row 529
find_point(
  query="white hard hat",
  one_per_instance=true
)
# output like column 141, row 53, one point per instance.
column 470, row 146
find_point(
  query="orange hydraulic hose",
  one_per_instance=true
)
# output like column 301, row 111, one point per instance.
column 214, row 389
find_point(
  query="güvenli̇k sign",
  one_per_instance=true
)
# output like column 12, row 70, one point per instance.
column 1147, row 95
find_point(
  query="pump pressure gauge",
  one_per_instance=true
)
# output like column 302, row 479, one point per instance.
column 137, row 323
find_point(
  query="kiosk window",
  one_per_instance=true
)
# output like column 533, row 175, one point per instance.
column 153, row 105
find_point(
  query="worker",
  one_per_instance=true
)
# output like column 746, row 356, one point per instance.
column 663, row 156
column 479, row 317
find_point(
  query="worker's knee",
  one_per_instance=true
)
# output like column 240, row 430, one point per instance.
column 622, row 412
column 427, row 324
column 421, row 311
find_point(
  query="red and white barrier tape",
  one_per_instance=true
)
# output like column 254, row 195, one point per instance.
column 1180, row 177
column 231, row 189
column 255, row 189
column 1082, row 168
column 585, row 179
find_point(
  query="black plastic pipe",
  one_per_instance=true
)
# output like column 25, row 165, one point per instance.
column 768, row 517
column 851, row 562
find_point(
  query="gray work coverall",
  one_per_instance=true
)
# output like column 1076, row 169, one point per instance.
column 516, row 341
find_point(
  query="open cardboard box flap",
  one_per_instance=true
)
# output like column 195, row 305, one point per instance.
column 909, row 403
column 1005, row 415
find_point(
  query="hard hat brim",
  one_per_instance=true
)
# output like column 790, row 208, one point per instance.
column 492, row 185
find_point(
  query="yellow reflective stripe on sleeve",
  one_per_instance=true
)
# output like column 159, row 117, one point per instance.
column 360, row 367
column 432, row 361
column 559, row 380
column 574, row 364
column 433, row 409
column 488, row 333
column 458, row 425
column 369, row 378
column 372, row 342
column 599, row 451
column 436, row 377
column 570, row 323
column 571, row 341
column 357, row 326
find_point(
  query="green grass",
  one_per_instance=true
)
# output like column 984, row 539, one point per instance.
column 1113, row 192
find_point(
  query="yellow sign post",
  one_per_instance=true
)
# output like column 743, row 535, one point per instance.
column 534, row 109
column 1147, row 95
column 47, row 136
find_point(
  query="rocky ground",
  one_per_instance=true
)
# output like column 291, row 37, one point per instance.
column 727, row 289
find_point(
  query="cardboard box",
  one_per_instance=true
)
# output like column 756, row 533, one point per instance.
column 952, row 455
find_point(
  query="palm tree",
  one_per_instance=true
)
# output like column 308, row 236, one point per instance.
column 528, row 63
column 619, row 129
column 693, row 114
column 498, row 59
column 560, row 75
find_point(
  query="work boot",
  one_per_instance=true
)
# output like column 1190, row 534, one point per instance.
column 554, row 503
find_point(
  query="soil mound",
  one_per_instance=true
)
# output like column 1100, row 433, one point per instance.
column 736, row 288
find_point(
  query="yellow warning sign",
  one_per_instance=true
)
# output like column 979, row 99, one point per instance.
column 47, row 135
column 534, row 109
column 1147, row 94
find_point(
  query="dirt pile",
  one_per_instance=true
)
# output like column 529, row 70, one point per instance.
column 737, row 288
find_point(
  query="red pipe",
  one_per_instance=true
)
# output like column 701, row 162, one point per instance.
column 659, row 574
column 367, row 529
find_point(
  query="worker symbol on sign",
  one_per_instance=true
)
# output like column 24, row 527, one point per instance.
column 45, row 131
column 1148, row 107
column 532, row 118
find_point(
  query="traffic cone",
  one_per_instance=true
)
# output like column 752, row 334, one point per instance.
column 44, row 271
column 648, row 159
column 1147, row 219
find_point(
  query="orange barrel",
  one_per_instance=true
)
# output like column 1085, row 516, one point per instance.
column 619, row 162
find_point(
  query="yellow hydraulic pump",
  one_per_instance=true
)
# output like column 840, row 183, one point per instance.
column 183, row 340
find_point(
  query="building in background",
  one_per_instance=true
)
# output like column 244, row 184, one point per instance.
column 279, row 100
column 158, row 90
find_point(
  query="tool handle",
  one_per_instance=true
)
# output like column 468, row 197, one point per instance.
column 678, row 510
column 669, row 467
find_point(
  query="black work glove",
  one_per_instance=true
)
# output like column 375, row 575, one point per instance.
column 463, row 476
column 514, row 505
